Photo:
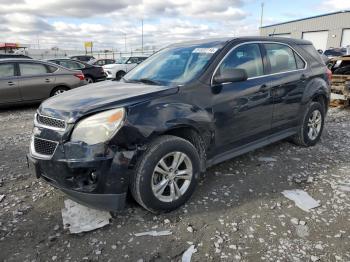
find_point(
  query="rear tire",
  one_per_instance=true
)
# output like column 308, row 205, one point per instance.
column 89, row 80
column 120, row 75
column 310, row 131
column 59, row 90
column 166, row 174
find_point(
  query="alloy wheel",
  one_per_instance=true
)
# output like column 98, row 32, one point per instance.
column 314, row 124
column 172, row 177
column 89, row 80
column 58, row 91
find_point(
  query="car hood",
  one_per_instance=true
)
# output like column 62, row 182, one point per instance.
column 73, row 104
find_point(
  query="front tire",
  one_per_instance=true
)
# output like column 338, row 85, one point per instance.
column 166, row 175
column 310, row 131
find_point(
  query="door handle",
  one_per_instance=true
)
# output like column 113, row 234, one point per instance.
column 10, row 83
column 264, row 88
column 47, row 80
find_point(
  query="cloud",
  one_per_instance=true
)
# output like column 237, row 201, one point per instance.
column 335, row 5
column 67, row 8
column 68, row 24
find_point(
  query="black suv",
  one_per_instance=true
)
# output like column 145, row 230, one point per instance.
column 186, row 108
column 92, row 73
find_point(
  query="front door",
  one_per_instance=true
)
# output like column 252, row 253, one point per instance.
column 9, row 90
column 242, row 110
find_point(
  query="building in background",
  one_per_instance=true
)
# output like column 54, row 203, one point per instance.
column 324, row 31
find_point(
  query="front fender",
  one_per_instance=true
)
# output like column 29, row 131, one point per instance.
column 148, row 120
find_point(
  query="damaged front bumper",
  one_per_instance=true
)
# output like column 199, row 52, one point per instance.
column 96, row 176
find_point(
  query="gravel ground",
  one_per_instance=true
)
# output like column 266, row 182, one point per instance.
column 237, row 213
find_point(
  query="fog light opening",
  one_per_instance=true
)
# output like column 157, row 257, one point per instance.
column 93, row 177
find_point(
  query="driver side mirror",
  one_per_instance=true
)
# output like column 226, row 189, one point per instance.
column 230, row 75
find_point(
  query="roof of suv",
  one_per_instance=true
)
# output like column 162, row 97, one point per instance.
column 286, row 40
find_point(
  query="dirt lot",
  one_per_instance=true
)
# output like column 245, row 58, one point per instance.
column 237, row 213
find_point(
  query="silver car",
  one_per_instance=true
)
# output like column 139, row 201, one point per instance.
column 28, row 80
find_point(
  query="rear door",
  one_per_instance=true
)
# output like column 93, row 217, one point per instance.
column 35, row 81
column 9, row 90
column 131, row 63
column 288, row 78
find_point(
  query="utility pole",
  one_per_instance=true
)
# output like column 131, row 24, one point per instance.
column 262, row 14
column 125, row 41
column 142, row 37
column 38, row 41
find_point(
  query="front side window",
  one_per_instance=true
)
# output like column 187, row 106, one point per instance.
column 247, row 57
column 28, row 69
column 7, row 70
column 132, row 60
column 282, row 58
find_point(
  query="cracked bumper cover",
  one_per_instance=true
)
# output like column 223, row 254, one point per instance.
column 96, row 176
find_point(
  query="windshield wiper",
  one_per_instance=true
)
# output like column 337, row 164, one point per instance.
column 149, row 81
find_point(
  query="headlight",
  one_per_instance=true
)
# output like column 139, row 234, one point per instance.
column 100, row 127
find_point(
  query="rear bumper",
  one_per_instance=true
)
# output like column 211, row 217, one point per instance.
column 100, row 183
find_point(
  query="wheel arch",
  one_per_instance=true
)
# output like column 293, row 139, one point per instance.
column 192, row 135
column 322, row 99
column 316, row 90
column 57, row 87
column 89, row 75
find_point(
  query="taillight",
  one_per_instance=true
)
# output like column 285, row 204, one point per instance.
column 80, row 76
column 329, row 74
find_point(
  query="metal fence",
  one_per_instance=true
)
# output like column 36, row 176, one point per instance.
column 48, row 54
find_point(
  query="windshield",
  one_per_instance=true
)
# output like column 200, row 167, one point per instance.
column 121, row 60
column 174, row 65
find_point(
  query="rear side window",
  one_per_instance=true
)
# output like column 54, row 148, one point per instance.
column 7, row 70
column 300, row 62
column 52, row 69
column 282, row 58
column 316, row 57
column 27, row 69
column 71, row 64
column 247, row 57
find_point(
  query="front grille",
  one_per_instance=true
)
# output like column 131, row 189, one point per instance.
column 44, row 147
column 51, row 122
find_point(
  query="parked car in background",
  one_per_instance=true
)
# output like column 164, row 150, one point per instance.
column 102, row 62
column 82, row 58
column 340, row 66
column 334, row 52
column 29, row 80
column 187, row 107
column 13, row 56
column 92, row 73
column 122, row 66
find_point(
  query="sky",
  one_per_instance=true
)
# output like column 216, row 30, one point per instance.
column 67, row 24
